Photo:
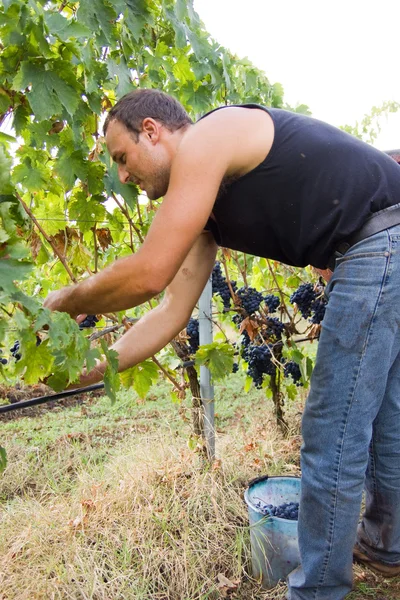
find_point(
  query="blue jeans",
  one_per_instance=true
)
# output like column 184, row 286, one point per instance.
column 351, row 424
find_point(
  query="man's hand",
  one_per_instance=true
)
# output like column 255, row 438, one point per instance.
column 90, row 378
column 161, row 324
column 58, row 300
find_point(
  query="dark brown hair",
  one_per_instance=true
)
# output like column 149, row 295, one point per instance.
column 136, row 106
column 395, row 154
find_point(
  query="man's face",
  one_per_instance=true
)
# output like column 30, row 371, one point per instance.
column 143, row 163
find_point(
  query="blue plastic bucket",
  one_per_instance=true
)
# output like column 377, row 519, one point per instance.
column 274, row 543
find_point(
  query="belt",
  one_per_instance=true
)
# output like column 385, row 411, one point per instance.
column 377, row 222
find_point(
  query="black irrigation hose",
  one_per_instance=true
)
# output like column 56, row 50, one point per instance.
column 43, row 399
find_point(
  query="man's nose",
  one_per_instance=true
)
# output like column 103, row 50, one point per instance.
column 123, row 174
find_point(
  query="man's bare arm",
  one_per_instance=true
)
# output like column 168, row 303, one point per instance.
column 160, row 325
column 217, row 146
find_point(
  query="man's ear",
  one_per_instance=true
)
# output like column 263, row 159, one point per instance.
column 151, row 129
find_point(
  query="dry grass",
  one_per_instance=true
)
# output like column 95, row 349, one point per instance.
column 151, row 523
column 123, row 509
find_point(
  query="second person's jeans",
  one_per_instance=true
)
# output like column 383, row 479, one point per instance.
column 351, row 424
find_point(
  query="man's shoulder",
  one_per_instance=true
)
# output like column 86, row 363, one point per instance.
column 243, row 133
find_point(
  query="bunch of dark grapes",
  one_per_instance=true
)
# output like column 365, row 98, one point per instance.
column 89, row 322
column 235, row 368
column 259, row 361
column 287, row 510
column 237, row 320
column 244, row 352
column 304, row 297
column 291, row 368
column 15, row 351
column 274, row 328
column 3, row 361
column 312, row 303
column 250, row 299
column 192, row 330
column 220, row 286
column 272, row 302
column 318, row 310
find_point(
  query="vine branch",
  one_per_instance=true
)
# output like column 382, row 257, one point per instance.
column 47, row 238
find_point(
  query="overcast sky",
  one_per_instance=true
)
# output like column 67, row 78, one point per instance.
column 341, row 58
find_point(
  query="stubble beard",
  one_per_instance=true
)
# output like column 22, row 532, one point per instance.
column 159, row 184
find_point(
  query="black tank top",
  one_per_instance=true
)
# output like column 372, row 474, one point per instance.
column 316, row 187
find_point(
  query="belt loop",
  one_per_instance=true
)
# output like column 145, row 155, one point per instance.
column 342, row 248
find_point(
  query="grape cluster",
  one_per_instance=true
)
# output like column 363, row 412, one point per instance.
column 291, row 368
column 237, row 320
column 310, row 302
column 318, row 310
column 250, row 299
column 3, row 361
column 89, row 322
column 272, row 302
column 15, row 351
column 192, row 330
column 304, row 297
column 259, row 361
column 245, row 345
column 275, row 327
column 220, row 285
column 287, row 510
column 235, row 368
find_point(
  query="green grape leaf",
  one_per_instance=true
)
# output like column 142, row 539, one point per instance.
column 91, row 356
column 5, row 172
column 98, row 17
column 128, row 191
column 86, row 210
column 49, row 94
column 216, row 357
column 80, row 256
column 30, row 304
column 38, row 361
column 8, row 3
column 248, row 383
column 12, row 270
column 4, row 137
column 309, row 367
column 34, row 177
column 141, row 377
column 58, row 381
column 182, row 70
column 137, row 16
column 65, row 28
column 178, row 27
column 43, row 318
column 55, row 22
column 71, row 167
column 95, row 178
column 68, row 345
column 297, row 356
column 291, row 391
column 122, row 73
column 50, row 204
column 111, row 376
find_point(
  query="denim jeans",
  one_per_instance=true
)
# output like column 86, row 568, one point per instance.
column 351, row 424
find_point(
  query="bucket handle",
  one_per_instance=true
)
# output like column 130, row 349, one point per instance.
column 258, row 480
